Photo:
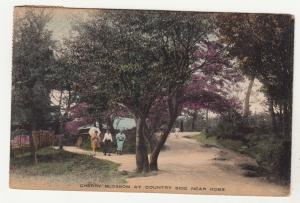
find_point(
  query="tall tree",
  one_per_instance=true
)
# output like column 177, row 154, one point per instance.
column 212, row 75
column 239, row 32
column 264, row 45
column 271, row 56
column 140, row 56
column 32, row 60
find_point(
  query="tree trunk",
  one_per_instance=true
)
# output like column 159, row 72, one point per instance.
column 247, row 98
column 69, row 99
column 150, row 136
column 61, row 134
column 181, row 126
column 194, row 118
column 206, row 120
column 142, row 162
column 273, row 117
column 280, row 115
column 173, row 111
column 99, row 120
column 32, row 148
column 60, row 99
column 160, row 144
column 110, row 126
column 33, row 127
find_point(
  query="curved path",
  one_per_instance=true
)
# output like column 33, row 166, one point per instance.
column 189, row 167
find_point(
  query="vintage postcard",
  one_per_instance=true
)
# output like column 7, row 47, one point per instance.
column 151, row 101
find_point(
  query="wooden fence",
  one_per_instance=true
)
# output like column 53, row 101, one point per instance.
column 40, row 139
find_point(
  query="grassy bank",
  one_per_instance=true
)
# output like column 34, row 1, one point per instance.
column 254, row 147
column 62, row 166
column 235, row 145
column 265, row 149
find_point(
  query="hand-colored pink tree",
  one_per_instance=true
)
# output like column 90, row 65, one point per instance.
column 78, row 116
column 209, row 88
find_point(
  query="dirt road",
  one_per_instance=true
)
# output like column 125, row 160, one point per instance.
column 189, row 167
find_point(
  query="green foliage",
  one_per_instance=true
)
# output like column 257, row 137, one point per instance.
column 139, row 56
column 230, row 126
column 86, row 144
column 235, row 145
column 33, row 59
column 273, row 156
column 133, row 58
column 264, row 45
column 67, row 167
column 206, row 140
column 272, row 153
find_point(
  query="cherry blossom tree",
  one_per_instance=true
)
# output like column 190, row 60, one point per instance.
column 213, row 75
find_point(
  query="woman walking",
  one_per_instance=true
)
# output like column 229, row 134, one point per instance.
column 95, row 137
column 107, row 140
column 120, row 137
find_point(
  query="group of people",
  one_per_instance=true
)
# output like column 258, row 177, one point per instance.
column 107, row 141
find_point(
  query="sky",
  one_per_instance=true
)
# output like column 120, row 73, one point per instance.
column 61, row 22
column 61, row 27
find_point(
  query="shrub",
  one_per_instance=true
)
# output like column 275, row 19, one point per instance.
column 272, row 152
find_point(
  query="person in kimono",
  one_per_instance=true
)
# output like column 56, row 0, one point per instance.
column 95, row 137
column 107, row 140
column 120, row 137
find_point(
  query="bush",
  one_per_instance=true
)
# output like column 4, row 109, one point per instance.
column 206, row 140
column 235, row 145
column 271, row 152
column 274, row 157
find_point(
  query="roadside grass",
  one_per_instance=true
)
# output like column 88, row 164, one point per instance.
column 213, row 141
column 234, row 145
column 66, row 167
column 205, row 140
column 266, row 150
